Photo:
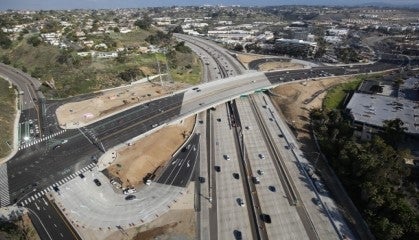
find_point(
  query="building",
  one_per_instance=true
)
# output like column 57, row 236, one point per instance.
column 378, row 102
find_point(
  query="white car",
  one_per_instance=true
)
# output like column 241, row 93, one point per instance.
column 129, row 191
column 226, row 157
column 241, row 202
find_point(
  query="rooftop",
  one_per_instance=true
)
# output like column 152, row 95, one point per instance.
column 374, row 109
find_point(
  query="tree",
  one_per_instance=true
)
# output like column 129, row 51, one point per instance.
column 5, row 59
column 177, row 29
column 122, row 57
column 34, row 40
column 394, row 132
column 144, row 22
column 130, row 74
column 5, row 42
column 238, row 47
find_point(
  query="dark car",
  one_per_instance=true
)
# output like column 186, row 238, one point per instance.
column 272, row 188
column 81, row 175
column 266, row 218
column 217, row 168
column 56, row 188
column 201, row 179
column 97, row 182
column 236, row 175
column 237, row 235
column 130, row 197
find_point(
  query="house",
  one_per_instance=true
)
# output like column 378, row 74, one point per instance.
column 105, row 55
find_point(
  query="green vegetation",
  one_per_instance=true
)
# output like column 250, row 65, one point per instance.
column 65, row 73
column 7, row 116
column 335, row 97
column 374, row 174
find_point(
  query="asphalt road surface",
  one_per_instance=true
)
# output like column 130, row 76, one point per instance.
column 179, row 170
column 43, row 164
column 49, row 222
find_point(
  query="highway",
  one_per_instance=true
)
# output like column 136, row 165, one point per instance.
column 298, row 224
column 36, row 168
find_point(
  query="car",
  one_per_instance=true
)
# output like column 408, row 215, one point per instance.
column 97, row 182
column 240, row 202
column 56, row 189
column 226, row 157
column 130, row 197
column 236, row 175
column 237, row 235
column 256, row 180
column 56, row 146
column 201, row 179
column 81, row 175
column 217, row 168
column 201, row 122
column 316, row 201
column 272, row 188
column 64, row 141
column 148, row 182
column 261, row 156
column 127, row 191
column 218, row 119
column 195, row 88
column 266, row 218
column 260, row 172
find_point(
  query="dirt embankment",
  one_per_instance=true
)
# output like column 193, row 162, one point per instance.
column 150, row 153
column 297, row 99
column 110, row 101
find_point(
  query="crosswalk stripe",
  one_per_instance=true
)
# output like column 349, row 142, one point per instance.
column 4, row 186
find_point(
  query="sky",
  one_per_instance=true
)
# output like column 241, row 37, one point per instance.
column 100, row 4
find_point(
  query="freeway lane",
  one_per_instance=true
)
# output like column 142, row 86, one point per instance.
column 179, row 170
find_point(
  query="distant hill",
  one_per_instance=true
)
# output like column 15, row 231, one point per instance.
column 391, row 5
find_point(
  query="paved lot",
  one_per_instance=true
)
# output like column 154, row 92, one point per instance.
column 102, row 207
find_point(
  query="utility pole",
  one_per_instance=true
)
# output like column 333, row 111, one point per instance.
column 158, row 66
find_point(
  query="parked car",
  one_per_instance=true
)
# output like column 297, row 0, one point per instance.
column 97, row 182
column 130, row 197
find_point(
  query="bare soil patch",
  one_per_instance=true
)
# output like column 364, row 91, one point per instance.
column 247, row 58
column 269, row 66
column 295, row 101
column 149, row 153
column 109, row 101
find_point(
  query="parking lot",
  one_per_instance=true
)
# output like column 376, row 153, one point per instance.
column 104, row 207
